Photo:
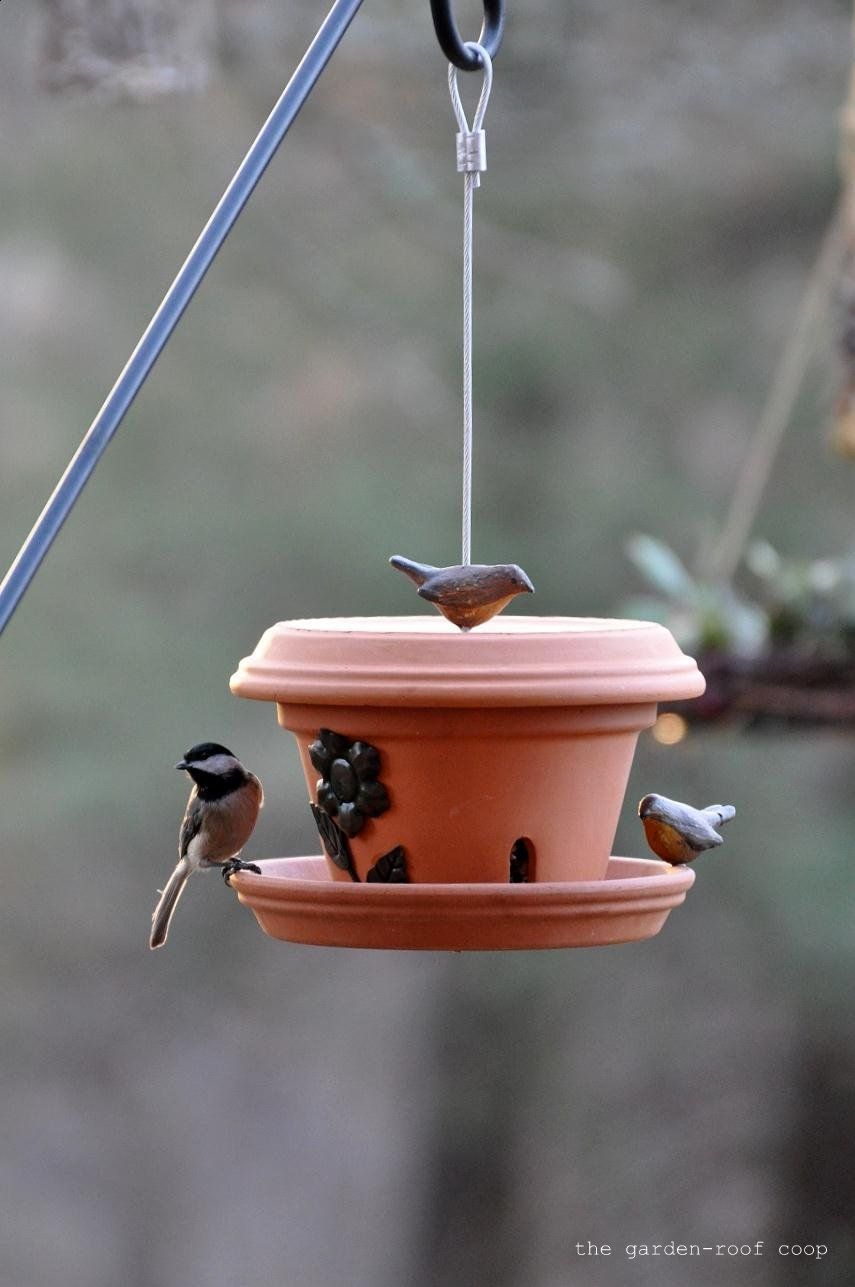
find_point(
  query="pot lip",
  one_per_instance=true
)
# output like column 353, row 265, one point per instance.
column 431, row 626
column 510, row 661
column 286, row 878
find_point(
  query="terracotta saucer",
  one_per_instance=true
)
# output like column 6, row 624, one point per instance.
column 295, row 899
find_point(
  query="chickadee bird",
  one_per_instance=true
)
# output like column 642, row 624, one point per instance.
column 676, row 832
column 220, row 815
column 467, row 594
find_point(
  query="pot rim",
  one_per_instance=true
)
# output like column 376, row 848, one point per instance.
column 425, row 661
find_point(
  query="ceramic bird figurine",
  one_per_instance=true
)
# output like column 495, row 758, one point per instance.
column 468, row 595
column 676, row 832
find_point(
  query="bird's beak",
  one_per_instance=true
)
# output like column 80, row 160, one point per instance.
column 528, row 588
column 182, row 764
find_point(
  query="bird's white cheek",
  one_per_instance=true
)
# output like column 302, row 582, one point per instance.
column 219, row 765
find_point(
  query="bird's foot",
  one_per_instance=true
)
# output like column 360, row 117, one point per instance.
column 238, row 864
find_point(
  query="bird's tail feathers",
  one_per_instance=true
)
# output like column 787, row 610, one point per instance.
column 720, row 813
column 166, row 906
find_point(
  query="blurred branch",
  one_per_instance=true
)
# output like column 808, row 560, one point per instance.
column 722, row 561
column 844, row 420
column 833, row 267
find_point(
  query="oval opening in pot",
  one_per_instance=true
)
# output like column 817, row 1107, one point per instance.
column 522, row 861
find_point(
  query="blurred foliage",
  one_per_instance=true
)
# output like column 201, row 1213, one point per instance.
column 702, row 616
column 807, row 605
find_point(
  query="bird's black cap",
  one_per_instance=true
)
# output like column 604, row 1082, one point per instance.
column 203, row 751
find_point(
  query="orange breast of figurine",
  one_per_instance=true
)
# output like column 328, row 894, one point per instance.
column 666, row 841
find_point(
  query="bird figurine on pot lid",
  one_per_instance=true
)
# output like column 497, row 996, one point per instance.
column 467, row 594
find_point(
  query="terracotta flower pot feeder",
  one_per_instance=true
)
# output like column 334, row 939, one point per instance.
column 466, row 786
column 466, row 774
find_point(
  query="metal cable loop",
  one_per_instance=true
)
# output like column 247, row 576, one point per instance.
column 484, row 98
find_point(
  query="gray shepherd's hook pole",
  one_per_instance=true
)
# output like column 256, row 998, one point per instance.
column 176, row 300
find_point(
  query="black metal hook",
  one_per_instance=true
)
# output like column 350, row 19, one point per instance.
column 449, row 38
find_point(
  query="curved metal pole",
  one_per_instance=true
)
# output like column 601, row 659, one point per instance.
column 170, row 311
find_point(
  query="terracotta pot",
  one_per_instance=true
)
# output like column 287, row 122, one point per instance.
column 516, row 738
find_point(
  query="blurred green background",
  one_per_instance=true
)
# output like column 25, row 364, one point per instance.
column 233, row 1110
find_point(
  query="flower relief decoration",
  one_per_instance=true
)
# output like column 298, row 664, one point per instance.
column 349, row 792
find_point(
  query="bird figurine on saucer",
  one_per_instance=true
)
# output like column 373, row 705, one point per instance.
column 676, row 832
